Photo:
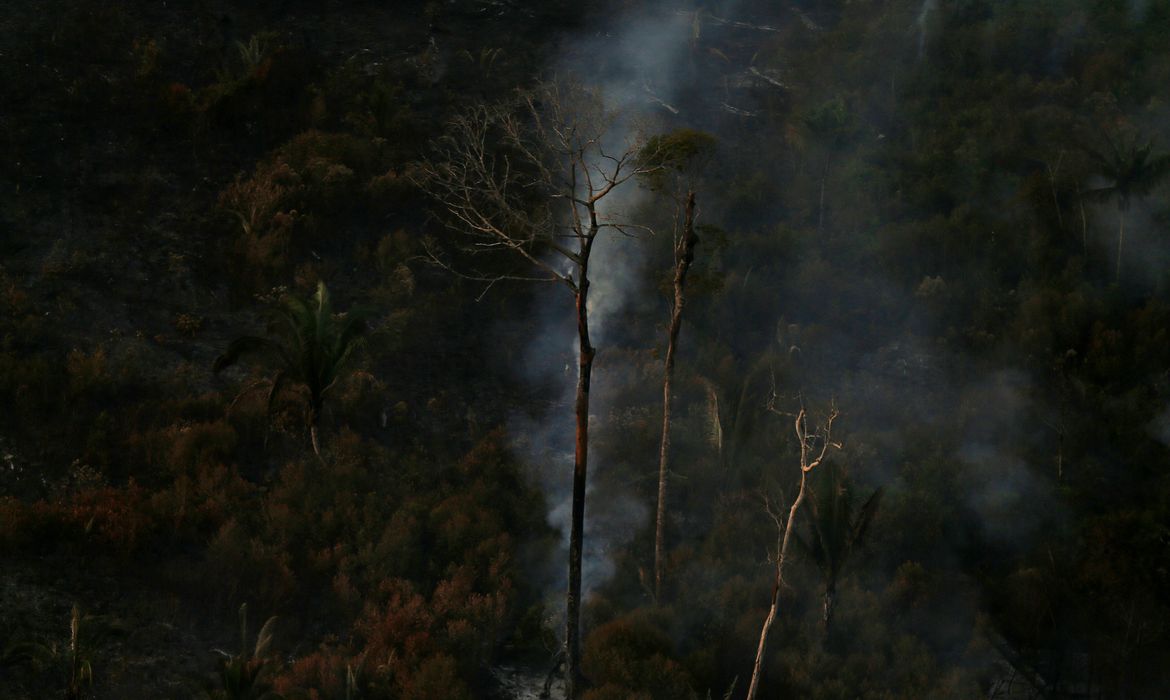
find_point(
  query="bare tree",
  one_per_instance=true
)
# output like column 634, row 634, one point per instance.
column 535, row 179
column 814, row 447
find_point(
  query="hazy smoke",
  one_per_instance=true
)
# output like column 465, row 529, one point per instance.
column 1160, row 427
column 633, row 64
column 928, row 6
column 1008, row 499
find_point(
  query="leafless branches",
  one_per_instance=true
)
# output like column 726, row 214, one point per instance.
column 529, row 178
column 814, row 447
column 532, row 179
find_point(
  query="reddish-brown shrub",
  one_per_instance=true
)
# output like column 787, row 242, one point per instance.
column 313, row 177
column 240, row 566
column 473, row 619
column 436, row 677
column 114, row 517
column 634, row 654
column 321, row 675
column 113, row 520
column 398, row 631
column 612, row 691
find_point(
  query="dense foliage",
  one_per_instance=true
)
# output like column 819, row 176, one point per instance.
column 948, row 219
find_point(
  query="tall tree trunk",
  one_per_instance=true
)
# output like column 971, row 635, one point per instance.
column 586, row 354
column 684, row 255
column 780, row 557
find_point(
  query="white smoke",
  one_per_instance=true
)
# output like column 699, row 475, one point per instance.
column 1009, row 498
column 637, row 73
column 633, row 67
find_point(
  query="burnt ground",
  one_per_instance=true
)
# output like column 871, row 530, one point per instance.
column 139, row 641
column 107, row 228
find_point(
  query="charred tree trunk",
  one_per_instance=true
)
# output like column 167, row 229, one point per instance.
column 684, row 255
column 552, row 140
column 586, row 354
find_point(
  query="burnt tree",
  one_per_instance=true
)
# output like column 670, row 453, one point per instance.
column 533, row 179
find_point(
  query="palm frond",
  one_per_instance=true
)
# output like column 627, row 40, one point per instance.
column 310, row 343
column 1130, row 166
column 1099, row 193
column 821, row 547
column 279, row 380
column 836, row 528
column 292, row 319
column 823, row 509
column 1104, row 163
column 1153, row 173
column 264, row 638
column 35, row 654
column 811, row 548
column 865, row 516
column 247, row 345
column 344, row 342
column 243, row 628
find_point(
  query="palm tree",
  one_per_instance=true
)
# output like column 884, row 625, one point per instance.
column 310, row 346
column 1131, row 170
column 246, row 676
column 836, row 530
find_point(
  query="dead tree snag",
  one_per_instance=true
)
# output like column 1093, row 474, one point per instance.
column 814, row 447
column 532, row 179
column 684, row 255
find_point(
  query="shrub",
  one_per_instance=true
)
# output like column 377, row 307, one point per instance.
column 238, row 563
column 87, row 372
column 633, row 654
column 188, row 325
column 113, row 520
column 260, row 95
column 326, row 673
column 435, row 678
column 314, row 176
